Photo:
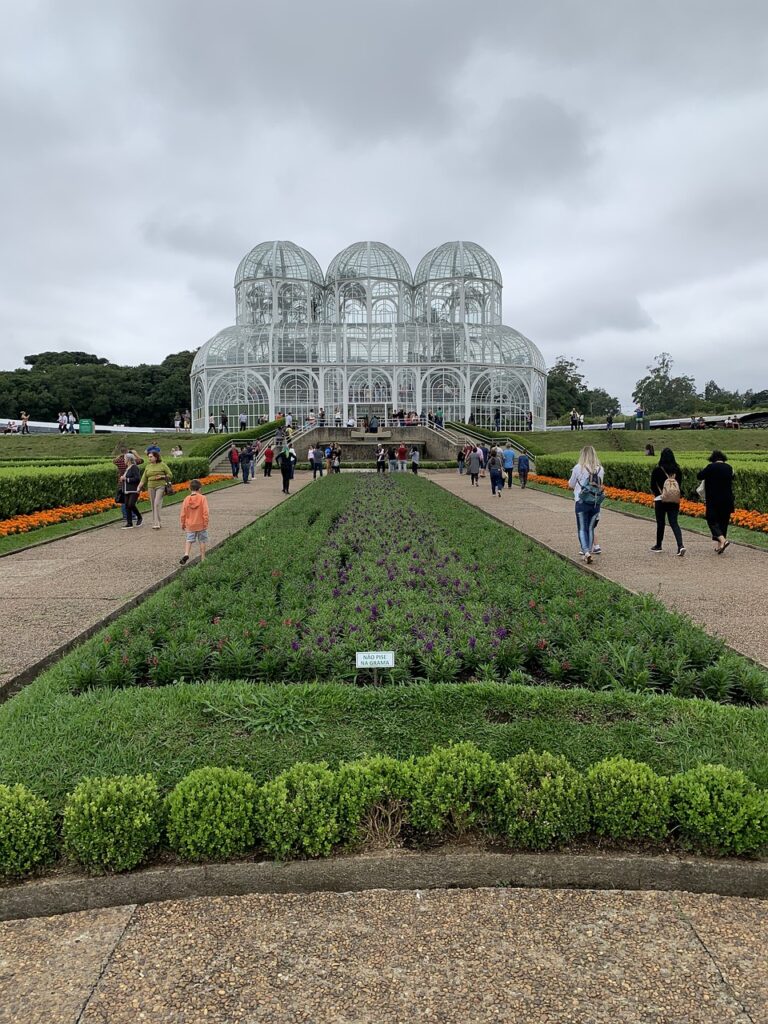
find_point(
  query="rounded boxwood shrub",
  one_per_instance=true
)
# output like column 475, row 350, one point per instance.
column 628, row 800
column 297, row 814
column 27, row 834
column 541, row 801
column 452, row 789
column 719, row 810
column 113, row 823
column 210, row 814
column 371, row 797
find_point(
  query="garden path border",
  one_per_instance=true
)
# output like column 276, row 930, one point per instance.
column 444, row 868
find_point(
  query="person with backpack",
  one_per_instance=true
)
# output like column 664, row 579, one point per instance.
column 667, row 490
column 523, row 468
column 508, row 458
column 234, row 459
column 495, row 469
column 718, row 496
column 586, row 482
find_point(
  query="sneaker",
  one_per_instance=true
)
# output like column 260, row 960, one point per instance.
column 140, row 523
column 655, row 548
column 680, row 552
column 588, row 558
column 597, row 550
column 184, row 559
column 127, row 526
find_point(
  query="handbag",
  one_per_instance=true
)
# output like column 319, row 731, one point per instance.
column 701, row 490
column 119, row 496
column 168, row 489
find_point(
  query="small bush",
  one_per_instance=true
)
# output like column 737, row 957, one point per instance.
column 27, row 834
column 297, row 812
column 112, row 824
column 628, row 800
column 541, row 801
column 452, row 789
column 719, row 811
column 370, row 798
column 210, row 814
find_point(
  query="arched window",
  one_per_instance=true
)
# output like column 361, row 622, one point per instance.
column 292, row 304
column 442, row 393
column 500, row 401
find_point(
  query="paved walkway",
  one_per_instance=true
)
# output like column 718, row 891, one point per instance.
column 378, row 957
column 58, row 590
column 726, row 593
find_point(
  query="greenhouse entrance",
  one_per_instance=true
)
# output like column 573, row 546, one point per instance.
column 366, row 410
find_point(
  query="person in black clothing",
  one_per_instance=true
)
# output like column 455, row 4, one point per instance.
column 665, row 505
column 718, row 495
column 130, row 482
column 286, row 461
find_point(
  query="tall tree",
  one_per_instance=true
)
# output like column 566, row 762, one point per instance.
column 659, row 391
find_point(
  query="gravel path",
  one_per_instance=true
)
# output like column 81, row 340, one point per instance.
column 726, row 594
column 58, row 590
column 448, row 956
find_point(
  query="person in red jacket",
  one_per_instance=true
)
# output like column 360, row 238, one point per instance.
column 194, row 521
column 402, row 457
column 269, row 458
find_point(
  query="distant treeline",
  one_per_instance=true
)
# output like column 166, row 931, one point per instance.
column 144, row 395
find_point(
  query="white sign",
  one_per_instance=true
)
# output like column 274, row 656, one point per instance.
column 375, row 659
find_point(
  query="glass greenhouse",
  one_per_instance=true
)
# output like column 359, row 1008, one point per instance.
column 369, row 337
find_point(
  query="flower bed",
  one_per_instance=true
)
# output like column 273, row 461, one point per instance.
column 52, row 516
column 535, row 801
column 360, row 563
column 741, row 517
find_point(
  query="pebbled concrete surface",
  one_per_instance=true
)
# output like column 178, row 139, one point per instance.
column 723, row 593
column 377, row 957
column 60, row 590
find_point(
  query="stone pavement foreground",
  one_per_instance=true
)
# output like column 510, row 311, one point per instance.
column 726, row 594
column 380, row 957
column 58, row 590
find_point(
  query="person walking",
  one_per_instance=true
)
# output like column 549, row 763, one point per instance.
column 246, row 463
column 224, row 421
column 495, row 467
column 667, row 490
column 586, row 482
column 475, row 463
column 461, row 459
column 269, row 458
column 130, row 483
column 243, row 421
column 155, row 478
column 415, row 459
column 234, row 459
column 718, row 497
column 194, row 521
column 286, row 466
column 508, row 461
column 402, row 456
column 211, row 424
column 523, row 468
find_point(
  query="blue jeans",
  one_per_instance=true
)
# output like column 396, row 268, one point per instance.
column 586, row 521
column 246, row 468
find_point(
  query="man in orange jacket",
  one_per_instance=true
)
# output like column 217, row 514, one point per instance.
column 194, row 520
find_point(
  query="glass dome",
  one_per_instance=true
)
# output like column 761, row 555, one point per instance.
column 367, row 261
column 279, row 260
column 453, row 260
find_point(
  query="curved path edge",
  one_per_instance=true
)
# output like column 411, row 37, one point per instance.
column 394, row 870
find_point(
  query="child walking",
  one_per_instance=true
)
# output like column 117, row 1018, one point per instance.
column 194, row 521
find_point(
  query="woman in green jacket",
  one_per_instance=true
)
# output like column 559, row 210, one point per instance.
column 156, row 476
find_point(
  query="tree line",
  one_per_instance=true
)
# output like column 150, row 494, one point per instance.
column 660, row 392
column 52, row 382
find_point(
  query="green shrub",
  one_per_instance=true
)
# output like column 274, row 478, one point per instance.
column 719, row 811
column 371, row 797
column 452, row 789
column 628, row 800
column 27, row 833
column 210, row 814
column 541, row 801
column 297, row 812
column 113, row 823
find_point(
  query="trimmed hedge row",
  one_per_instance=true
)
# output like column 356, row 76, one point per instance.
column 534, row 801
column 750, row 483
column 31, row 489
column 205, row 446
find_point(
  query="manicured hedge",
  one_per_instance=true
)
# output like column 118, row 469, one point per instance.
column 31, row 489
column 534, row 801
column 205, row 446
column 750, row 477
column 365, row 562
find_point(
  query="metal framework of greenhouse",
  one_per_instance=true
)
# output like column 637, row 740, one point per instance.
column 369, row 337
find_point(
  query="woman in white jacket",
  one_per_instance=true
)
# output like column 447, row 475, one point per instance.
column 586, row 482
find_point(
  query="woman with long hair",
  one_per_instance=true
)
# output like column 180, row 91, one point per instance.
column 667, row 490
column 586, row 482
column 718, row 496
column 156, row 475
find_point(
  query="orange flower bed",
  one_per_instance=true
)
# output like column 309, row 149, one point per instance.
column 52, row 516
column 741, row 517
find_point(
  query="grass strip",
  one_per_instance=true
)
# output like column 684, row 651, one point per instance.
column 50, row 741
column 44, row 535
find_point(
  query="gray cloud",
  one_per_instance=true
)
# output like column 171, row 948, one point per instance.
column 611, row 157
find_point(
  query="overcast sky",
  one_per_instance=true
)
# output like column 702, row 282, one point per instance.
column 612, row 156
